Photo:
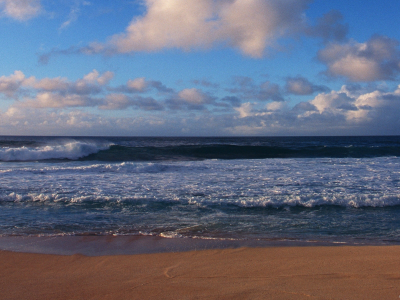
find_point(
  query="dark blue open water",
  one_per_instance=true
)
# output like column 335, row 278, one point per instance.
column 330, row 189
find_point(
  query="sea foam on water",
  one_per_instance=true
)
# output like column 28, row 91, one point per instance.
column 108, row 186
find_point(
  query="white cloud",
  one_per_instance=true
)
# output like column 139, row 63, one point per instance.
column 54, row 92
column 116, row 102
column 189, row 99
column 245, row 110
column 137, row 84
column 55, row 100
column 47, row 102
column 90, row 83
column 193, row 96
column 22, row 120
column 121, row 101
column 333, row 102
column 248, row 25
column 142, row 85
column 373, row 112
column 34, row 121
column 376, row 59
column 20, row 9
column 336, row 113
column 95, row 77
column 299, row 86
column 276, row 106
column 246, row 88
column 92, row 90
column 9, row 85
column 147, row 104
column 302, row 86
column 48, row 84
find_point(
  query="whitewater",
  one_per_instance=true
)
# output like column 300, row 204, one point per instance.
column 331, row 189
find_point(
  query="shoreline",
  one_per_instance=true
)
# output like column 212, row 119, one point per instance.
column 317, row 272
column 134, row 244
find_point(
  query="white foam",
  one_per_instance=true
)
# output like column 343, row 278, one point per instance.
column 346, row 182
column 171, row 235
column 66, row 150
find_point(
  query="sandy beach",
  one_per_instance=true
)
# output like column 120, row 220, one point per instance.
column 344, row 272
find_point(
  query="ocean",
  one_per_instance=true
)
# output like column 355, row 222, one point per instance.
column 335, row 190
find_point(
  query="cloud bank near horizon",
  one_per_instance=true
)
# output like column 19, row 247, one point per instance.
column 57, row 103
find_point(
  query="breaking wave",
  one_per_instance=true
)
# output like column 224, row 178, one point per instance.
column 69, row 150
column 191, row 149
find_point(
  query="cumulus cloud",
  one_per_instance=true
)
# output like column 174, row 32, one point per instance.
column 346, row 111
column 142, row 85
column 138, row 84
column 249, row 109
column 91, row 83
column 55, row 100
column 48, row 84
column 9, row 85
column 373, row 112
column 276, row 106
column 329, row 27
column 270, row 91
column 116, row 102
column 302, row 86
column 13, row 85
column 95, row 77
column 121, row 101
column 94, row 90
column 34, row 121
column 194, row 96
column 354, row 109
column 247, row 89
column 333, row 102
column 245, row 110
column 376, row 59
column 20, row 10
column 147, row 104
column 251, row 26
column 22, row 120
column 191, row 98
column 54, row 92
column 303, row 107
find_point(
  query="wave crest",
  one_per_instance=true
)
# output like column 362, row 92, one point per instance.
column 68, row 150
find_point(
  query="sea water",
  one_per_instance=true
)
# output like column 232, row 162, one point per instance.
column 327, row 189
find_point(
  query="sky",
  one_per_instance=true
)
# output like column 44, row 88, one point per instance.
column 199, row 67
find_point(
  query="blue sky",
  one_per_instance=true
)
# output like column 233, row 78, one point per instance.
column 199, row 67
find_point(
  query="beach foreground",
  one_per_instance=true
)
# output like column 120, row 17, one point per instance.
column 348, row 272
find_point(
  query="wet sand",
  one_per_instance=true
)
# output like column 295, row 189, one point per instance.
column 345, row 272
